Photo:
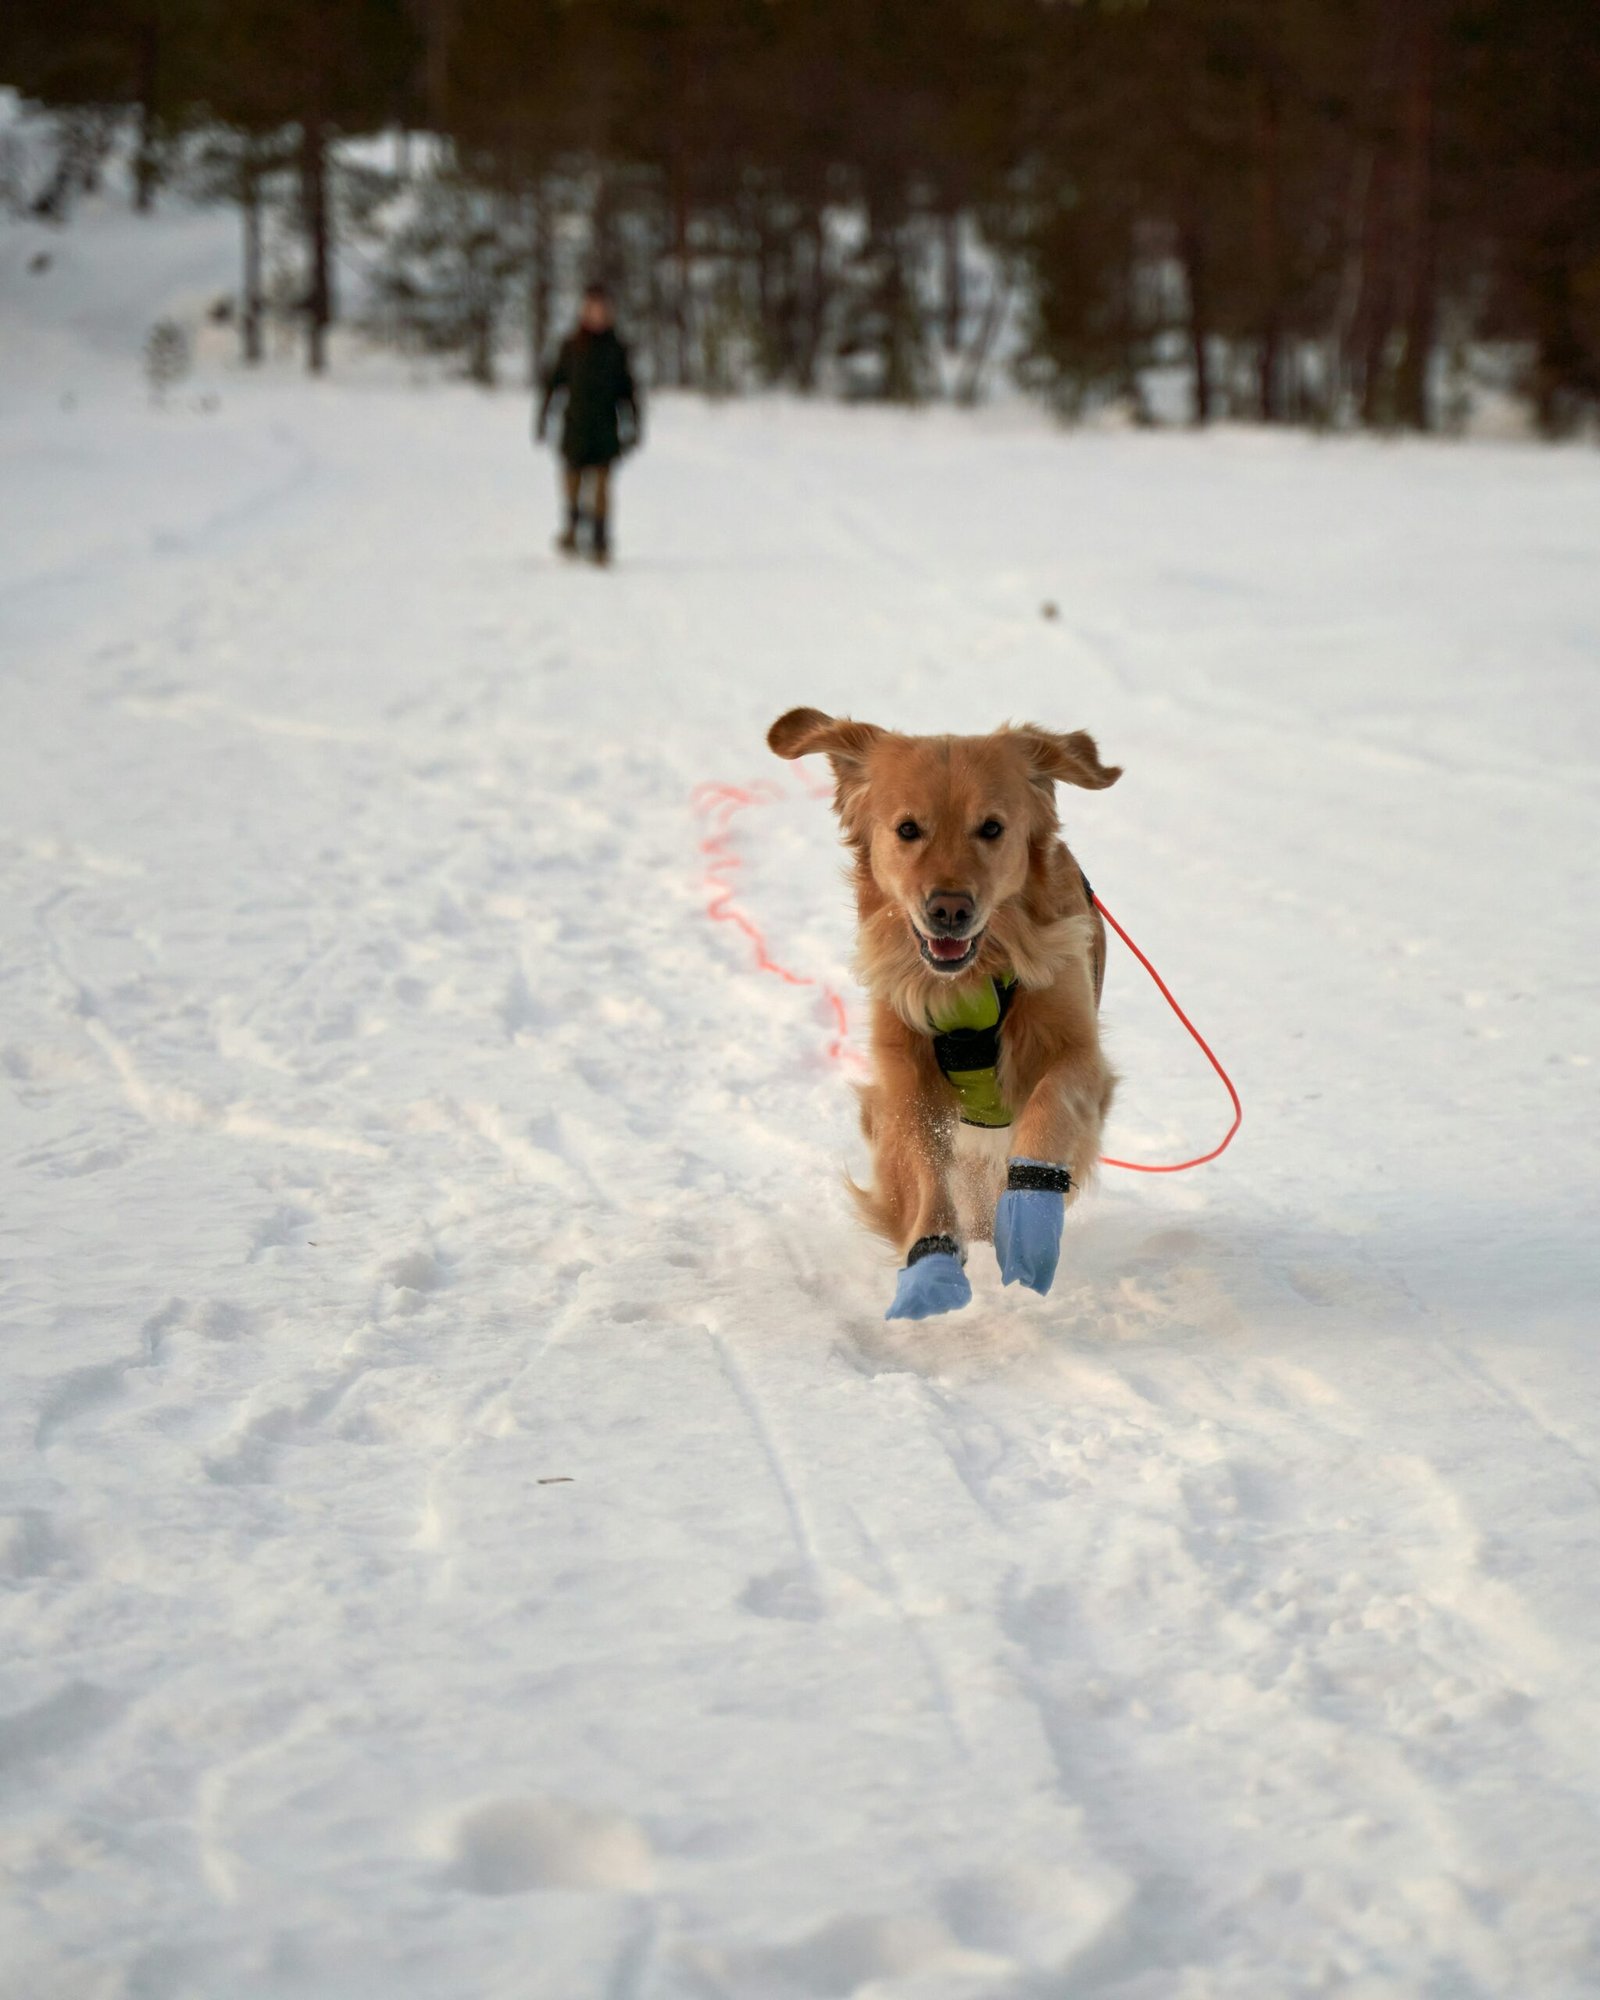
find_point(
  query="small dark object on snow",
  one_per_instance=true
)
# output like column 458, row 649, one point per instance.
column 557, row 1479
column 166, row 357
column 221, row 313
column 1049, row 609
column 41, row 260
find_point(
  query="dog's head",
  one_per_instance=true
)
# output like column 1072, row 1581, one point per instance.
column 952, row 834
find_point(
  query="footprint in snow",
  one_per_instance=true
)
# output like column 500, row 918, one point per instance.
column 793, row 1592
column 853, row 1954
column 505, row 1847
column 414, row 1277
column 32, row 1545
column 59, row 1723
column 284, row 1229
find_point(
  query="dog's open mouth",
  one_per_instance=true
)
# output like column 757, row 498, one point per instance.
column 946, row 954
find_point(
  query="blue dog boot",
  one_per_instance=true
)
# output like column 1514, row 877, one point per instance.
column 1027, row 1223
column 932, row 1281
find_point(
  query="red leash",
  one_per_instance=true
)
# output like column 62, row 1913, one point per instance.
column 1178, row 1166
column 720, row 804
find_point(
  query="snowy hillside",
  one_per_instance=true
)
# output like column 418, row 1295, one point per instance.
column 469, row 1529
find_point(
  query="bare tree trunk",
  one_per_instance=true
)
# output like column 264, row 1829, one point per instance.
column 1366, row 312
column 480, row 346
column 955, row 301
column 539, row 279
column 1375, row 318
column 145, row 157
column 657, row 309
column 602, row 231
column 319, row 243
column 1192, row 254
column 896, row 301
column 682, row 336
column 812, row 311
column 1564, row 376
column 976, row 359
column 1269, row 244
column 767, row 262
column 1347, row 314
column 438, row 33
column 1420, row 270
column 250, row 303
column 1366, row 309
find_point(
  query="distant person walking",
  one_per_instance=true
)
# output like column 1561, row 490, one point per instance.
column 601, row 420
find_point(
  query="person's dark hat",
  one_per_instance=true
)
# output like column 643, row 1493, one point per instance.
column 596, row 289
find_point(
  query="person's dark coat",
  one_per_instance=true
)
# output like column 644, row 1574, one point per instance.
column 602, row 414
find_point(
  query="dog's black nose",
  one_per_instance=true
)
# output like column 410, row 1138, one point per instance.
column 949, row 912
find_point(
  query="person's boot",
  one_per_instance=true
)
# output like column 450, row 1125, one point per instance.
column 567, row 540
column 600, row 547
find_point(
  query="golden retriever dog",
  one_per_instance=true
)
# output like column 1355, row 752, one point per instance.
column 980, row 945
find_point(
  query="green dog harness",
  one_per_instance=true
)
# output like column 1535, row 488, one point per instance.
column 966, row 1046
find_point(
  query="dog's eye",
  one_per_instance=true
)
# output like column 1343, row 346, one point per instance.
column 990, row 830
column 909, row 830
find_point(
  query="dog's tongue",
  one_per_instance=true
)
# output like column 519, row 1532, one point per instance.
column 949, row 949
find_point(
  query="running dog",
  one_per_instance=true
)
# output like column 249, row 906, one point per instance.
column 981, row 947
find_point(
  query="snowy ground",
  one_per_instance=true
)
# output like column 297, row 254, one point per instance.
column 469, row 1530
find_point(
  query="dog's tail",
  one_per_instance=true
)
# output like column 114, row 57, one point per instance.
column 872, row 1203
column 873, row 1210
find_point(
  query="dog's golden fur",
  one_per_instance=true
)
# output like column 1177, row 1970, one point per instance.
column 1034, row 922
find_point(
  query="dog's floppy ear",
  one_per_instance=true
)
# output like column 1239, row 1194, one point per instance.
column 1073, row 759
column 804, row 730
column 844, row 743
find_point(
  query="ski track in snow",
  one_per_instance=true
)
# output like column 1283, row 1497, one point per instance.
column 468, row 1527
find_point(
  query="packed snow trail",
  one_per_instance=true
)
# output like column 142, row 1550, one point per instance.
column 469, row 1527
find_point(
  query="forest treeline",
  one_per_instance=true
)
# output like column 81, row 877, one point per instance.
column 1320, row 211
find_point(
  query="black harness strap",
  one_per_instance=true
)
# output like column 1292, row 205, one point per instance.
column 975, row 1048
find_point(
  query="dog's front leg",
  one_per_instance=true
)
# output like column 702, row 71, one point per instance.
column 912, row 1196
column 1056, row 1142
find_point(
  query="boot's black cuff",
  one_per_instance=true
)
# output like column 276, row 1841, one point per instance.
column 933, row 1246
column 1030, row 1174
